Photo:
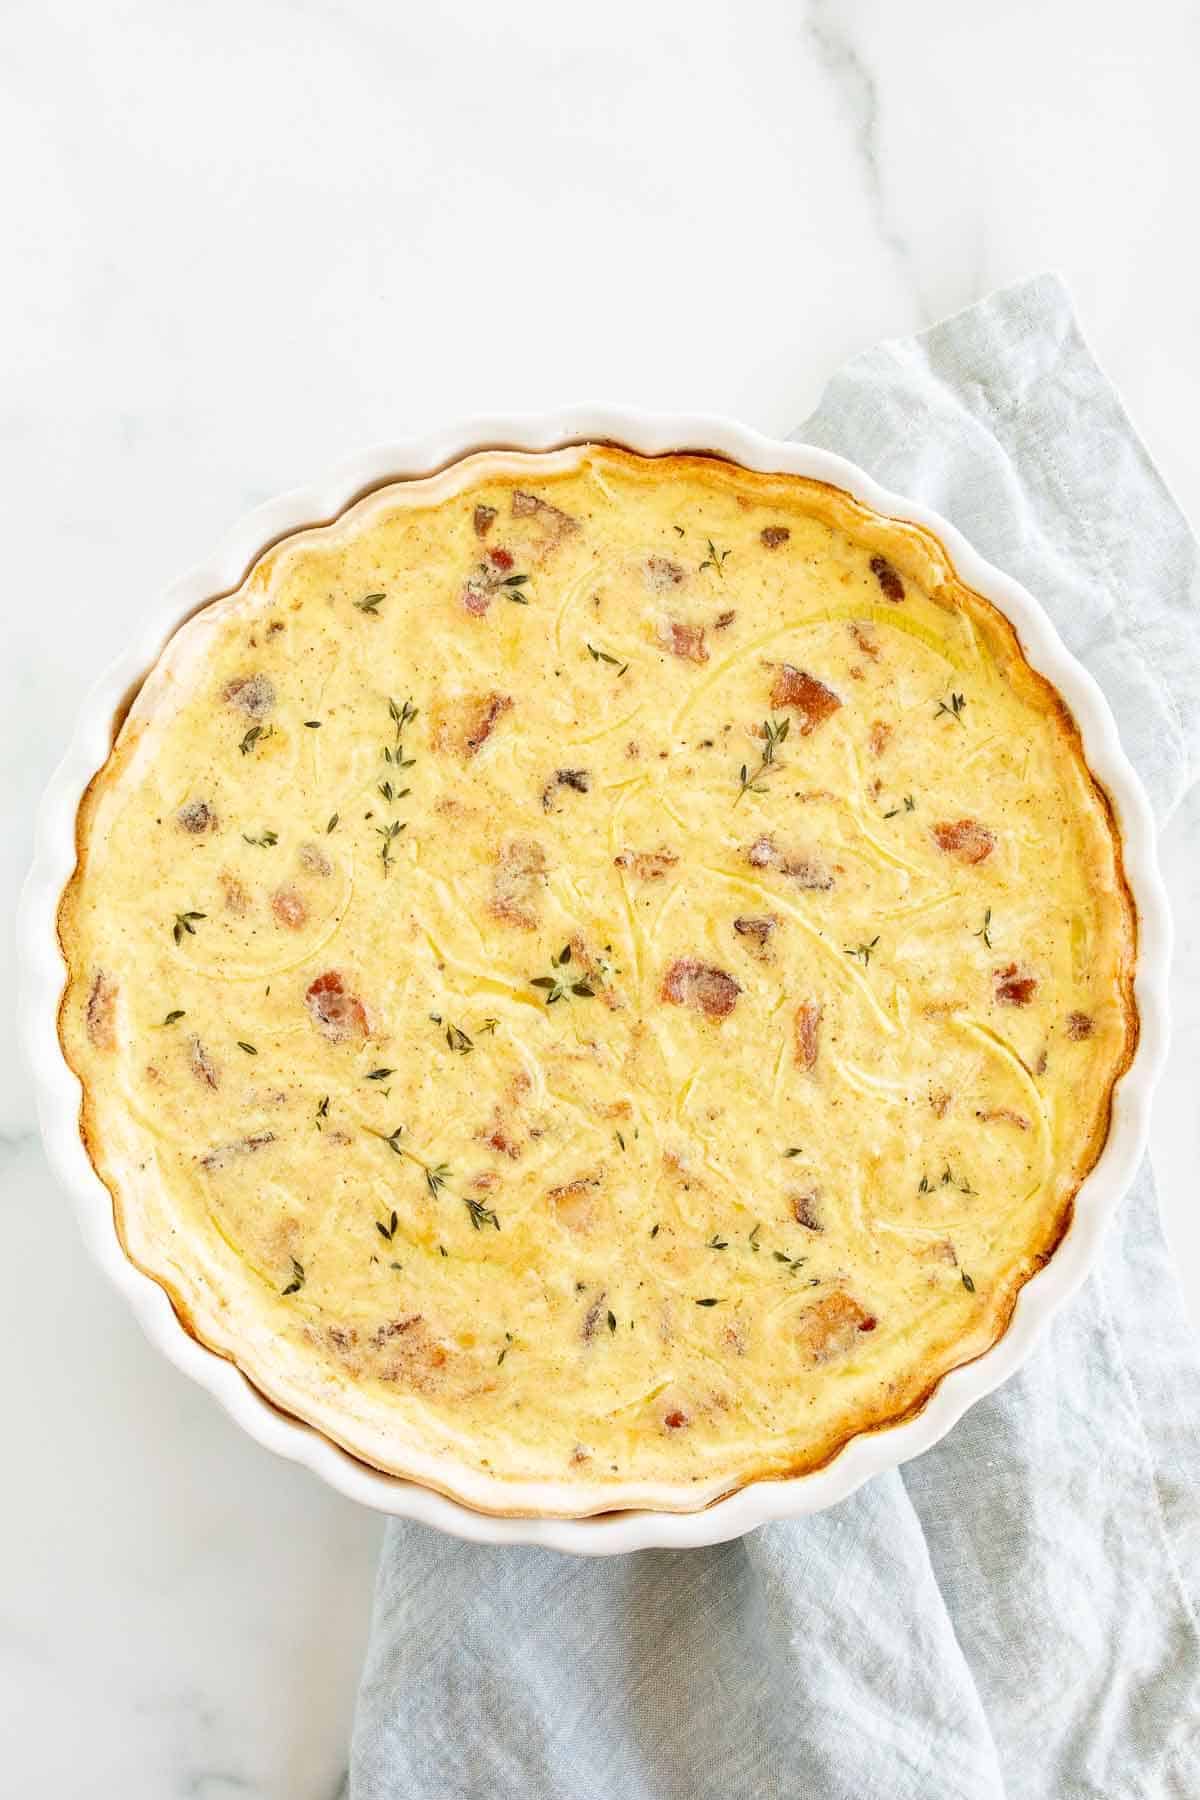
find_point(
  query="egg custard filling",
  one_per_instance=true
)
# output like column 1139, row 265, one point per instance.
column 596, row 979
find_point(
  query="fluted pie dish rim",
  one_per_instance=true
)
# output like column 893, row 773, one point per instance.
column 59, row 1092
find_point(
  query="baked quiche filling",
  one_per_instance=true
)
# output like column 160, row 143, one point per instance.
column 595, row 979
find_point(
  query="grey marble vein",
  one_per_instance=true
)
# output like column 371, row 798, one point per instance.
column 843, row 61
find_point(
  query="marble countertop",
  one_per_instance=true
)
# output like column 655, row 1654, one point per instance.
column 244, row 240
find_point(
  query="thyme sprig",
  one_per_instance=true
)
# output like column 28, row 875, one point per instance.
column 559, row 986
column 174, row 1017
column 910, row 805
column 985, row 930
column 387, row 1231
column 184, row 922
column 862, row 952
column 479, row 1214
column 257, row 734
column 370, row 603
column 715, row 559
column 322, row 1112
column 297, row 1281
column 604, row 657
column 953, row 709
column 774, row 732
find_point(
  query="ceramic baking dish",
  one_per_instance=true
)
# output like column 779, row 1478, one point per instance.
column 58, row 1093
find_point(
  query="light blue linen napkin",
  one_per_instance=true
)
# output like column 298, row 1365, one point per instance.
column 1014, row 1614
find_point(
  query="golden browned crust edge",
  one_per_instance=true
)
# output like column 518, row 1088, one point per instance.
column 900, row 536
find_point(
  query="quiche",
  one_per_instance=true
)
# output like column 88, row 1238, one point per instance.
column 596, row 979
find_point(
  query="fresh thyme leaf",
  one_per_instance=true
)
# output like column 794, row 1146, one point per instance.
column 379, row 1074
column 678, row 530
column 654, row 1230
column 267, row 839
column 322, row 1112
column 248, row 1048
column 619, row 1139
column 709, row 1302
column 604, row 657
column 487, row 1029
column 370, row 603
column 925, row 1186
column 333, row 819
column 257, row 734
column 862, row 952
column 715, row 559
column 436, row 1179
column 753, row 1238
column 793, row 1151
column 312, row 724
column 387, row 1231
column 297, row 1281
column 508, row 1340
column 774, row 732
column 910, row 804
column 791, row 1262
column 458, row 1041
column 967, row 1282
column 953, row 709
column 985, row 930
column 184, row 922
column 612, row 1321
column 173, row 1018
column 480, row 1215
column 717, row 1243
column 558, row 986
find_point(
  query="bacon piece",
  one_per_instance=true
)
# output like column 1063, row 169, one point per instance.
column 314, row 860
column 1080, row 1025
column 555, row 524
column 497, row 1138
column 647, row 865
column 576, row 779
column 661, row 573
column 224, row 1154
column 806, row 1034
column 685, row 641
column 965, row 839
column 866, row 643
column 1013, row 988
column 100, row 1013
column 804, row 1209
column 759, row 930
column 880, row 737
column 811, row 698
column 887, row 578
column 676, row 1419
column 415, row 1357
column 252, row 694
column 237, row 900
column 724, row 619
column 591, row 1318
column 520, row 875
column 709, row 990
column 574, row 1202
column 500, row 558
column 1005, row 1115
column 202, row 1065
column 831, row 1327
column 338, row 1015
column 806, row 871
column 477, row 598
column 197, row 816
column 771, row 536
column 289, row 908
column 465, row 731
column 483, row 518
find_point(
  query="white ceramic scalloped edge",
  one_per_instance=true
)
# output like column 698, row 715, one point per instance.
column 58, row 1094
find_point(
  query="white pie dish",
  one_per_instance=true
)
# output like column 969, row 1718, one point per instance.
column 59, row 1094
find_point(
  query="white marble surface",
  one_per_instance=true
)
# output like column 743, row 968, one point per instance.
column 242, row 240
